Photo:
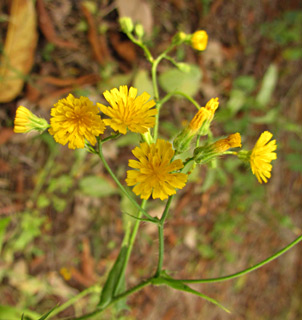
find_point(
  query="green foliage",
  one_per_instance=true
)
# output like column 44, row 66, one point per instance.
column 143, row 83
column 3, row 225
column 285, row 30
column 111, row 287
column 27, row 231
column 96, row 186
column 12, row 313
column 187, row 82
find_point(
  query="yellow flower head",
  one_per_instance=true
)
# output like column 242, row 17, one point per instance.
column 200, row 117
column 154, row 173
column 261, row 156
column 206, row 153
column 212, row 105
column 199, row 40
column 204, row 114
column 74, row 120
column 26, row 121
column 232, row 141
column 128, row 110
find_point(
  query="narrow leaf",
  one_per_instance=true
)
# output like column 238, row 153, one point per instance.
column 183, row 287
column 112, row 281
column 45, row 316
column 268, row 85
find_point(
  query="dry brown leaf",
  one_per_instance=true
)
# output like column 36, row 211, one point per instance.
column 19, row 49
column 48, row 29
column 138, row 11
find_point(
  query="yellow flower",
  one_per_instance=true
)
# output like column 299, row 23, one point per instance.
column 199, row 40
column 154, row 173
column 199, row 125
column 212, row 105
column 208, row 152
column 200, row 117
column 204, row 114
column 232, row 141
column 74, row 120
column 26, row 121
column 261, row 156
column 128, row 111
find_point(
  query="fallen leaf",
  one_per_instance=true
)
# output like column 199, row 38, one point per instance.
column 19, row 49
column 125, row 49
column 138, row 11
column 99, row 46
column 48, row 29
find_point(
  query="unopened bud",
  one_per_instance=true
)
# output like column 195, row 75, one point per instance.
column 139, row 30
column 126, row 24
column 26, row 121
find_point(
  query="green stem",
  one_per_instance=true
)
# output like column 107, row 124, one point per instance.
column 94, row 288
column 192, row 100
column 112, row 137
column 117, row 298
column 160, row 250
column 245, row 271
column 141, row 45
column 161, row 237
column 131, row 241
column 156, row 96
column 100, row 153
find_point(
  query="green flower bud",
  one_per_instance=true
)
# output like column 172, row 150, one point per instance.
column 139, row 30
column 126, row 24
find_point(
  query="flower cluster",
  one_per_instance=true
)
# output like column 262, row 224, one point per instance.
column 78, row 122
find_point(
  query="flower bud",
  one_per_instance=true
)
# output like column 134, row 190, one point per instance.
column 206, row 153
column 180, row 37
column 199, row 40
column 26, row 121
column 139, row 30
column 126, row 24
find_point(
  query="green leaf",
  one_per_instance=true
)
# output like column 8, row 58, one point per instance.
column 62, row 184
column 292, row 53
column 45, row 315
column 3, row 224
column 96, row 186
column 110, row 287
column 246, row 83
column 270, row 117
column 178, row 285
column 115, row 81
column 12, row 313
column 236, row 101
column 143, row 83
column 268, row 86
column 186, row 82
